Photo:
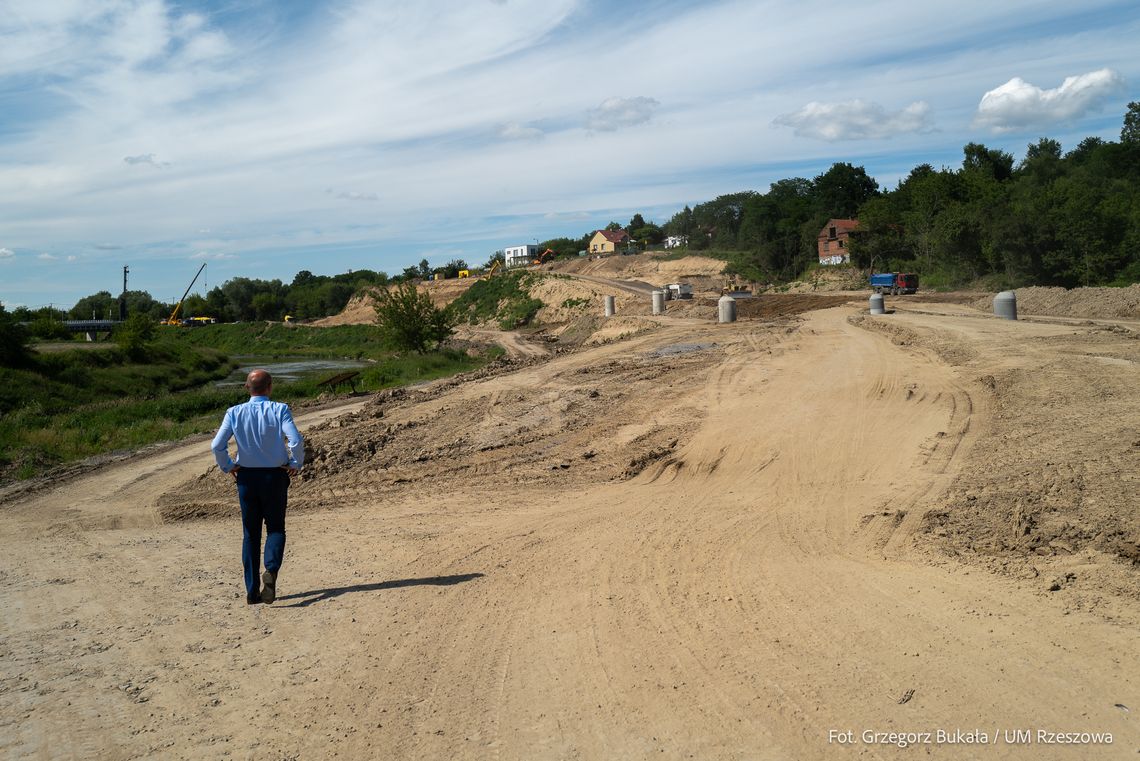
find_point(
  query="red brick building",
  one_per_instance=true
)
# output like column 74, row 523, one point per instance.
column 834, row 240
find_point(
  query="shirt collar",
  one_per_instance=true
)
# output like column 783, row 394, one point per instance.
column 259, row 398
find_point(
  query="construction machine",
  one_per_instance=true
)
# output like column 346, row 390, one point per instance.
column 541, row 258
column 173, row 318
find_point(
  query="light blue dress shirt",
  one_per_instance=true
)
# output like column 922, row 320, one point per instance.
column 261, row 428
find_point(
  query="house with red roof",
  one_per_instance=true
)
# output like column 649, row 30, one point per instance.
column 834, row 241
column 608, row 241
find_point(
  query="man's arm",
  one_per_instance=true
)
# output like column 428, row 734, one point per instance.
column 220, row 446
column 295, row 442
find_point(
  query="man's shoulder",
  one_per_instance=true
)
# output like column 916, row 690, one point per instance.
column 281, row 408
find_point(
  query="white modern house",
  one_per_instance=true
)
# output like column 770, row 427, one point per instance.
column 676, row 241
column 519, row 256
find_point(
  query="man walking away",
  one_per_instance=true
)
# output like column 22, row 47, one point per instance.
column 264, row 465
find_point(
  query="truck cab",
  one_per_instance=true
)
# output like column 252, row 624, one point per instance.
column 894, row 283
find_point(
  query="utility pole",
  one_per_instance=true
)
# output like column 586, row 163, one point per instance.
column 123, row 298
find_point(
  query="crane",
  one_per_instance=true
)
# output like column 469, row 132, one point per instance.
column 173, row 319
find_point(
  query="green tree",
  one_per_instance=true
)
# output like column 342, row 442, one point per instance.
column 13, row 341
column 499, row 257
column 135, row 335
column 451, row 269
column 988, row 161
column 841, row 190
column 425, row 269
column 95, row 307
column 408, row 319
column 1130, row 133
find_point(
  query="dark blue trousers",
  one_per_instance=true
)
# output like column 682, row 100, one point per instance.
column 263, row 493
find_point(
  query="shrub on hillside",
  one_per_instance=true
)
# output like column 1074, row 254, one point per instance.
column 408, row 320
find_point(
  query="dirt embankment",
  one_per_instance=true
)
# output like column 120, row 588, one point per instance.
column 361, row 308
column 1047, row 492
column 1094, row 303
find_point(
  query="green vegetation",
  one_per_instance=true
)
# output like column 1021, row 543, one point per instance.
column 1053, row 218
column 64, row 406
column 276, row 340
column 406, row 319
column 416, row 368
column 571, row 303
column 13, row 340
column 505, row 299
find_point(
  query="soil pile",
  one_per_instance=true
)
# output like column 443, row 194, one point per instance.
column 361, row 308
column 1094, row 303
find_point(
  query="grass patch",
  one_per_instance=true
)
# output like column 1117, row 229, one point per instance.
column 276, row 340
column 504, row 298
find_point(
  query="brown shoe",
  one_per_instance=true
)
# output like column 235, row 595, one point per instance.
column 268, row 587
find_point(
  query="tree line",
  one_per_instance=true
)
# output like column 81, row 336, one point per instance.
column 1054, row 218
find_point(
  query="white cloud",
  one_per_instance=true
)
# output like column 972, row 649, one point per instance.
column 353, row 195
column 212, row 257
column 145, row 158
column 1018, row 103
column 855, row 120
column 575, row 216
column 47, row 257
column 615, row 113
column 73, row 258
column 516, row 131
column 6, row 253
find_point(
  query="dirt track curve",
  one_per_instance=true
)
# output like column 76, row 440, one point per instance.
column 701, row 542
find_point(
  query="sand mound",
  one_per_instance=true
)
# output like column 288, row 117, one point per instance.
column 648, row 267
column 568, row 298
column 1095, row 303
column 361, row 310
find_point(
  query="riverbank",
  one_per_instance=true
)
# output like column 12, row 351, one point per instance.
column 71, row 404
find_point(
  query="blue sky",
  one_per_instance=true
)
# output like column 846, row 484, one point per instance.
column 266, row 137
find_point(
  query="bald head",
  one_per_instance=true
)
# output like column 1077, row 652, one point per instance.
column 259, row 383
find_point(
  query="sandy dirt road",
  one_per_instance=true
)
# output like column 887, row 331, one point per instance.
column 701, row 542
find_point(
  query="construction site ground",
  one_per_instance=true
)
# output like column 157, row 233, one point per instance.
column 653, row 536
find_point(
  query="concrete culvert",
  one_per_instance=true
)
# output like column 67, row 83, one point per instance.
column 877, row 305
column 726, row 309
column 1005, row 305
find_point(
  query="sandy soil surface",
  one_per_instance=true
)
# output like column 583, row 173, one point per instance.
column 698, row 541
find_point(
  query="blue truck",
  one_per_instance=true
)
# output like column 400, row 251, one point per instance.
column 894, row 283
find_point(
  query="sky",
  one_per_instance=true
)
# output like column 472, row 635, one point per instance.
column 266, row 137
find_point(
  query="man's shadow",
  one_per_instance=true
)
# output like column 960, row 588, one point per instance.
column 316, row 595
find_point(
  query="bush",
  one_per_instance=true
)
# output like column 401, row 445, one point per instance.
column 408, row 320
column 135, row 334
column 13, row 340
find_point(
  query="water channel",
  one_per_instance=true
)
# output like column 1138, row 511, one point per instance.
column 286, row 370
